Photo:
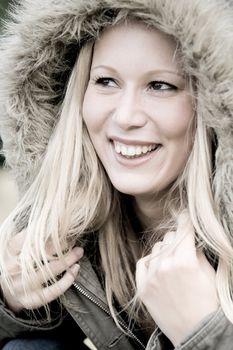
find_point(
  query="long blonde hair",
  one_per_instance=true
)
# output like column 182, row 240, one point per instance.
column 72, row 197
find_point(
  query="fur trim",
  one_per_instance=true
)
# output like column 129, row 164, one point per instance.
column 39, row 48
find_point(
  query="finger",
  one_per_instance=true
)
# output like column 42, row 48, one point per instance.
column 57, row 266
column 168, row 244
column 52, row 251
column 156, row 249
column 185, row 234
column 52, row 292
column 13, row 266
column 16, row 243
column 185, row 227
column 162, row 246
column 155, row 259
column 169, row 237
column 206, row 267
column 50, row 270
column 141, row 271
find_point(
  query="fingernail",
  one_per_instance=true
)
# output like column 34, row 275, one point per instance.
column 74, row 269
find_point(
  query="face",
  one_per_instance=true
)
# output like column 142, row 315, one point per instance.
column 138, row 110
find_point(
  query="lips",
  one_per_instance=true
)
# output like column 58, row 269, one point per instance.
column 134, row 150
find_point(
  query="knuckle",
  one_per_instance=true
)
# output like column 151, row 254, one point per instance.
column 156, row 249
column 26, row 303
column 140, row 261
column 79, row 251
column 165, row 269
column 169, row 235
column 142, row 294
column 151, row 287
column 184, row 265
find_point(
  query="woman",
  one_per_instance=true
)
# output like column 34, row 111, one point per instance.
column 123, row 159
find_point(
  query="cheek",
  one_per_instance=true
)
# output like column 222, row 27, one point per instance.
column 94, row 111
column 177, row 118
column 88, row 110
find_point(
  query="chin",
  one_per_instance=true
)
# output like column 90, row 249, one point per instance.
column 138, row 188
column 134, row 189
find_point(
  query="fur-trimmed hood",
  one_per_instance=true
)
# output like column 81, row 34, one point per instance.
column 39, row 48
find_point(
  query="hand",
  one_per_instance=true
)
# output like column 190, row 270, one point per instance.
column 44, row 292
column 177, row 285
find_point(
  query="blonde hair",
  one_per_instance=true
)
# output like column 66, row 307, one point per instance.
column 72, row 197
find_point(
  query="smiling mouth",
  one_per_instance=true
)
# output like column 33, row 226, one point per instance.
column 134, row 151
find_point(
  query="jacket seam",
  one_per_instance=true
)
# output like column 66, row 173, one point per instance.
column 88, row 332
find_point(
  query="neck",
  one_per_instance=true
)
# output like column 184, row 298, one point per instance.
column 149, row 211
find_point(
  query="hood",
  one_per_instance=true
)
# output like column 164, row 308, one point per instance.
column 40, row 45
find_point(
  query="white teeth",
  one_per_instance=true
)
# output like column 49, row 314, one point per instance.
column 132, row 151
column 117, row 148
column 124, row 150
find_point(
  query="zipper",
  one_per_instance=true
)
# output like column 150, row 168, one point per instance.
column 106, row 310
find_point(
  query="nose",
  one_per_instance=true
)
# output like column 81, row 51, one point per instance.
column 129, row 112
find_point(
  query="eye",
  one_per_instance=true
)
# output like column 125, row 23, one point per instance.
column 105, row 82
column 161, row 86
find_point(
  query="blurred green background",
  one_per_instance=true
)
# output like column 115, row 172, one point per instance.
column 3, row 6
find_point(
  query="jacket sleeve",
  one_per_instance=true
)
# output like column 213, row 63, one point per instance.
column 12, row 326
column 215, row 332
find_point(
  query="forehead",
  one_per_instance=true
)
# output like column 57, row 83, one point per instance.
column 134, row 42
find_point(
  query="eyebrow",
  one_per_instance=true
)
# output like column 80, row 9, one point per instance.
column 177, row 73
